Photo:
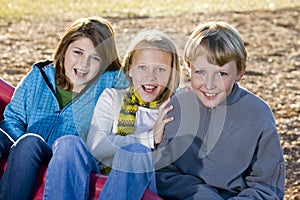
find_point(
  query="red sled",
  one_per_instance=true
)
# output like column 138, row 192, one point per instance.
column 97, row 181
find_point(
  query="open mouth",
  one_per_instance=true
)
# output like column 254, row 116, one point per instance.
column 79, row 72
column 149, row 88
column 209, row 95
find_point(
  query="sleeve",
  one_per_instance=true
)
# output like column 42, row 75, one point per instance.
column 147, row 139
column 102, row 139
column 267, row 171
column 15, row 114
column 121, row 80
column 172, row 184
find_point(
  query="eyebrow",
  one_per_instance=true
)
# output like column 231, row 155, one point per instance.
column 76, row 47
column 94, row 54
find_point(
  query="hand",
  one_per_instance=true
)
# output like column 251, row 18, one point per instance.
column 159, row 126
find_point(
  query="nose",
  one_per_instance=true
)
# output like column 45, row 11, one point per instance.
column 151, row 74
column 85, row 61
column 210, row 82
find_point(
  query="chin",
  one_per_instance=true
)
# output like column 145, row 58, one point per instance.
column 209, row 104
column 148, row 99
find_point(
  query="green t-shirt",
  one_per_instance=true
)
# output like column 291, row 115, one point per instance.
column 64, row 97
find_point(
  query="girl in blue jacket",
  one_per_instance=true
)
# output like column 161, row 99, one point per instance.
column 55, row 99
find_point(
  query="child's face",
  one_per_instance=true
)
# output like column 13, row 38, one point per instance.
column 82, row 63
column 150, row 72
column 212, row 83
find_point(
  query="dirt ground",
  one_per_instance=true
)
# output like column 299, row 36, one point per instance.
column 272, row 39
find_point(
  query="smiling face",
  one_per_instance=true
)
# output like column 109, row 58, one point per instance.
column 212, row 83
column 150, row 72
column 82, row 63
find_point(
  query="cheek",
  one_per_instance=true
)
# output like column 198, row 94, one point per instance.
column 67, row 66
column 163, row 81
column 96, row 67
column 67, row 57
column 135, row 80
column 196, row 82
column 94, row 72
column 68, row 62
column 227, row 86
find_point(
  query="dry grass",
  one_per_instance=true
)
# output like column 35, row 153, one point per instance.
column 129, row 8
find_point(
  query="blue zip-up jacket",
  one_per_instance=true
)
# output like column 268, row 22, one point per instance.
column 230, row 152
column 35, row 109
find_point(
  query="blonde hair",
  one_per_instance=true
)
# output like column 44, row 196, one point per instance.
column 219, row 41
column 101, row 33
column 155, row 39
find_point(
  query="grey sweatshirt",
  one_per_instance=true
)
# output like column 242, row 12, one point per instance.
column 228, row 152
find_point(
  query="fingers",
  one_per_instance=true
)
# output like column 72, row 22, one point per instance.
column 161, row 121
column 163, row 111
column 167, row 120
column 158, row 129
column 163, row 105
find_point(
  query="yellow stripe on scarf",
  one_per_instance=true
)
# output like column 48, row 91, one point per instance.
column 131, row 101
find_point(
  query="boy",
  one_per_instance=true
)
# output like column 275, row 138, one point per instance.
column 223, row 142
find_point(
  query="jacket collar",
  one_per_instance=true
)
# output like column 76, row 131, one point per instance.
column 236, row 94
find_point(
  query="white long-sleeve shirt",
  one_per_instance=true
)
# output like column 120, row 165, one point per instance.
column 102, row 139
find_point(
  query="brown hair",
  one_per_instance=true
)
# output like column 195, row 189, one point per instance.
column 101, row 33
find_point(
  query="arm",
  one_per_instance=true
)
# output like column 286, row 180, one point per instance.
column 102, row 139
column 15, row 119
column 121, row 82
column 267, row 170
column 172, row 184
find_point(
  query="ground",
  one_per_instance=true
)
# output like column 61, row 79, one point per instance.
column 272, row 40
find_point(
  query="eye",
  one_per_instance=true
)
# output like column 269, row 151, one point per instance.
column 199, row 71
column 96, row 58
column 222, row 74
column 142, row 67
column 161, row 69
column 78, row 52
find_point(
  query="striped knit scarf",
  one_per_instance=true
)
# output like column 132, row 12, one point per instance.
column 131, row 101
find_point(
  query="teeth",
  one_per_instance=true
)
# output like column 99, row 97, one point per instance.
column 148, row 87
column 210, row 94
column 80, row 72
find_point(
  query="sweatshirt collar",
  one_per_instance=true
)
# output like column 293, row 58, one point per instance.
column 236, row 94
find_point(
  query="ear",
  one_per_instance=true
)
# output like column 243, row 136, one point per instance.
column 130, row 73
column 240, row 75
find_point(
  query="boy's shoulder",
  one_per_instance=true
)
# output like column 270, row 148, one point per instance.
column 254, row 101
column 186, row 100
column 185, row 95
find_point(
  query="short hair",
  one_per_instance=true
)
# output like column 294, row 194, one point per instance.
column 155, row 39
column 101, row 33
column 219, row 41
